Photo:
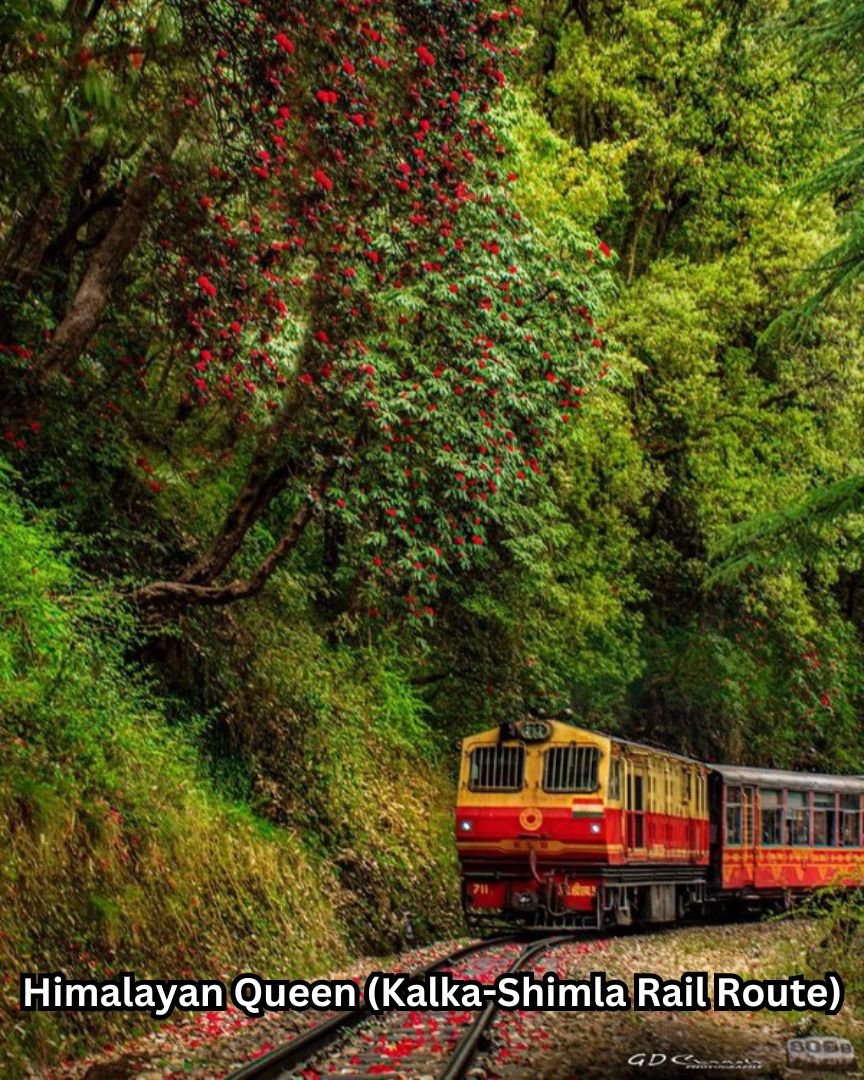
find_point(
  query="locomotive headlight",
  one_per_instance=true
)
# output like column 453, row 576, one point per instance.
column 595, row 827
column 465, row 825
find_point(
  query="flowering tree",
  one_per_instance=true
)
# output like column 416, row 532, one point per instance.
column 326, row 227
column 440, row 338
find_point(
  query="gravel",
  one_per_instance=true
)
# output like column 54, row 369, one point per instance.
column 523, row 1044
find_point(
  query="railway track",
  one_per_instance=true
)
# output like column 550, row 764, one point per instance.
column 444, row 1044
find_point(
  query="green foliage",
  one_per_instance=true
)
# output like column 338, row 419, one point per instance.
column 333, row 732
column 672, row 548
column 799, row 531
column 839, row 935
column 699, row 123
column 118, row 852
column 831, row 33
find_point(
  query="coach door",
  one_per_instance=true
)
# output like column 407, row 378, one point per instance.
column 740, row 831
column 636, row 783
column 748, row 830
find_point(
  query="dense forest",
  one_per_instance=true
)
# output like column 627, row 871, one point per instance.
column 376, row 372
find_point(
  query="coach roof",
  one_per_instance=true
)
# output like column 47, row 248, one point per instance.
column 785, row 778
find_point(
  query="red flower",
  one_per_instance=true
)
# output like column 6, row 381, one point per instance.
column 359, row 119
column 605, row 249
column 348, row 67
column 206, row 285
column 477, row 540
column 327, row 97
column 390, row 512
column 285, row 43
column 425, row 56
column 306, row 378
column 323, row 180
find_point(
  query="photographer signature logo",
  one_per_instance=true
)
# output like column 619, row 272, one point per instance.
column 804, row 1052
column 820, row 1052
column 690, row 1061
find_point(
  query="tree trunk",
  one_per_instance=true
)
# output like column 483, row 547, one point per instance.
column 264, row 481
column 78, row 325
column 29, row 241
column 631, row 245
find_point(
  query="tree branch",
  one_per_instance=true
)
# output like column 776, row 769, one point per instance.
column 161, row 595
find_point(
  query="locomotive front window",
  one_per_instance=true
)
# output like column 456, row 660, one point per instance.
column 824, row 824
column 497, row 768
column 771, row 812
column 571, row 768
column 850, row 821
column 798, row 818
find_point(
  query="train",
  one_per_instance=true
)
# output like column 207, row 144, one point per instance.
column 559, row 827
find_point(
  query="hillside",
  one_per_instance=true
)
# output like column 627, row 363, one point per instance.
column 368, row 377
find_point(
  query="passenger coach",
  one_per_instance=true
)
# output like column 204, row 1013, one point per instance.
column 557, row 826
column 782, row 832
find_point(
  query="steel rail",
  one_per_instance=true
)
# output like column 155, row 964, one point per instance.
column 466, row 1049
column 296, row 1051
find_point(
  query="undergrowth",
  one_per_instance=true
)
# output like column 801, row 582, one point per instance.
column 121, row 852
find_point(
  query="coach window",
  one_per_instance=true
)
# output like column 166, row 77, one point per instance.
column 850, row 820
column 798, row 818
column 824, row 823
column 733, row 815
column 771, row 806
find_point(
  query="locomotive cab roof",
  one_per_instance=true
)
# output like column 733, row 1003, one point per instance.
column 558, row 729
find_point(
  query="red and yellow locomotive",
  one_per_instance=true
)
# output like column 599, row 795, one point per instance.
column 557, row 826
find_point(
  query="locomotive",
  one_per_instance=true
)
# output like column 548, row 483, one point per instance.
column 561, row 827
